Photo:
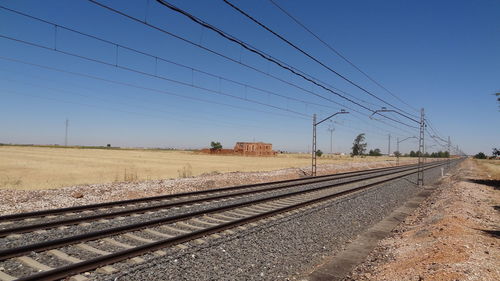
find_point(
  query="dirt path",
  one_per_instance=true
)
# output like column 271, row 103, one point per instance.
column 452, row 236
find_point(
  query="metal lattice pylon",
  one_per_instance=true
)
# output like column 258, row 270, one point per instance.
column 421, row 150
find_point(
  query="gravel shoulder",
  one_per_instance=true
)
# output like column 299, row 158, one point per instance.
column 279, row 250
column 453, row 235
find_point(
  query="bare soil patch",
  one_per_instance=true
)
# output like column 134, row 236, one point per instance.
column 452, row 236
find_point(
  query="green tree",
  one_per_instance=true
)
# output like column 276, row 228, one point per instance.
column 215, row 145
column 397, row 153
column 496, row 152
column 359, row 146
column 413, row 154
column 319, row 153
column 375, row 152
column 480, row 155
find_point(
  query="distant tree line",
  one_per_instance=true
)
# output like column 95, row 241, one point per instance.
column 439, row 154
column 495, row 153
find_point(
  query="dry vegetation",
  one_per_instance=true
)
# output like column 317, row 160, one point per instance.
column 45, row 167
column 490, row 167
column 452, row 236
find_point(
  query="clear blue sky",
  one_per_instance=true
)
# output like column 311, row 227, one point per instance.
column 440, row 55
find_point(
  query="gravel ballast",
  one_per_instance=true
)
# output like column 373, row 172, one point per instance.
column 282, row 249
column 70, row 230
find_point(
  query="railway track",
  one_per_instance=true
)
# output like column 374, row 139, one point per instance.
column 75, row 254
column 31, row 221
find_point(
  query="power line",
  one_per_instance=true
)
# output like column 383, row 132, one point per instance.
column 246, row 47
column 306, row 54
column 262, row 54
column 145, row 88
column 351, row 127
column 171, row 117
column 235, row 61
column 159, row 59
column 128, row 84
column 155, row 90
column 340, row 54
column 185, row 40
column 152, row 75
column 117, row 65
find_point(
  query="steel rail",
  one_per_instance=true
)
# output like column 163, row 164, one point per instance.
column 80, row 208
column 139, row 210
column 51, row 244
column 91, row 264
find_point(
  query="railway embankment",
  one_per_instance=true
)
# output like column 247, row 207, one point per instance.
column 453, row 235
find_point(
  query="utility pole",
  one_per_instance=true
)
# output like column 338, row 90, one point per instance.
column 331, row 129
column 389, row 146
column 66, row 134
column 313, row 152
column 421, row 148
column 397, row 149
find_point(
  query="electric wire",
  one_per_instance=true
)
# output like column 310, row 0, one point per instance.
column 231, row 59
column 215, row 52
column 158, row 58
column 249, row 48
column 168, row 61
column 301, row 51
column 329, row 46
column 171, row 117
column 178, row 95
column 143, row 87
column 135, row 105
column 153, row 75
column 201, row 71
column 143, row 53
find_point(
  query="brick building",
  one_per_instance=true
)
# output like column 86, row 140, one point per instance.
column 254, row 149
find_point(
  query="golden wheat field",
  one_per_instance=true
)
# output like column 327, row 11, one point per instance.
column 24, row 167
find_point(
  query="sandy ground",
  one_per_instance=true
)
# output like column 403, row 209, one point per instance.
column 452, row 236
column 49, row 167
column 15, row 201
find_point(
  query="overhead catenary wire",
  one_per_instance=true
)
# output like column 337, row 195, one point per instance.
column 117, row 65
column 201, row 71
column 339, row 54
column 429, row 123
column 56, row 26
column 135, row 105
column 153, row 75
column 125, row 47
column 239, row 62
column 172, row 117
column 212, row 51
column 307, row 55
column 153, row 90
column 365, row 115
column 267, row 57
column 158, row 58
column 128, row 84
column 249, row 48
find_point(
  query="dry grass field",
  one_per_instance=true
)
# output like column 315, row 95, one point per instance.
column 492, row 167
column 45, row 167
